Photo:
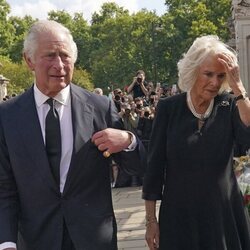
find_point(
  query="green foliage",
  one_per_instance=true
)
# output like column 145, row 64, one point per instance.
column 21, row 25
column 20, row 76
column 108, row 11
column 193, row 18
column 122, row 46
column 6, row 29
column 116, row 44
column 82, row 78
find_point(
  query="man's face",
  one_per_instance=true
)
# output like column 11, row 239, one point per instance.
column 52, row 63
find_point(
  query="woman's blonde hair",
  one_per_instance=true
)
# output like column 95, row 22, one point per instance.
column 201, row 48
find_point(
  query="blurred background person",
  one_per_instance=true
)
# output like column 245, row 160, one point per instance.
column 144, row 127
column 117, row 98
column 129, row 119
column 98, row 91
column 130, row 122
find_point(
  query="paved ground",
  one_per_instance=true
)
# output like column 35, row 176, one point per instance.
column 130, row 215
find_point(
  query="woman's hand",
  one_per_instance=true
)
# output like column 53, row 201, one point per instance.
column 233, row 73
column 152, row 235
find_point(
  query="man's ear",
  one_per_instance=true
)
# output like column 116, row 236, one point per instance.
column 29, row 62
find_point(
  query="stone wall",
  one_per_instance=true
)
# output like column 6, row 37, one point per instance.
column 241, row 17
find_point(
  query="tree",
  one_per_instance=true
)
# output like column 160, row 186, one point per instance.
column 20, row 76
column 82, row 37
column 108, row 11
column 6, row 29
column 116, row 44
column 82, row 78
column 121, row 45
column 21, row 26
column 188, row 19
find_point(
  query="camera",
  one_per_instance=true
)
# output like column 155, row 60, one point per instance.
column 138, row 106
column 127, row 110
column 146, row 114
column 117, row 98
column 152, row 99
column 139, row 79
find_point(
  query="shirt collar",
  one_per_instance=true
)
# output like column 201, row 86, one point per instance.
column 62, row 97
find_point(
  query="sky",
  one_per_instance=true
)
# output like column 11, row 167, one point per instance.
column 40, row 8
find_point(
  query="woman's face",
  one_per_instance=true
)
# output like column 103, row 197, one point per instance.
column 211, row 75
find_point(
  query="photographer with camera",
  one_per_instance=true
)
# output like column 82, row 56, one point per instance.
column 129, row 118
column 137, row 87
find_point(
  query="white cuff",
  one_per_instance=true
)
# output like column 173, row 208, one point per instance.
column 132, row 145
column 7, row 245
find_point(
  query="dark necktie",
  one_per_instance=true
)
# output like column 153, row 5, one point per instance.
column 53, row 139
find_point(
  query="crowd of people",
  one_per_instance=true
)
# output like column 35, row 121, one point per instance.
column 136, row 105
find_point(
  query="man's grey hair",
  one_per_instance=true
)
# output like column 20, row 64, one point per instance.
column 42, row 27
column 201, row 49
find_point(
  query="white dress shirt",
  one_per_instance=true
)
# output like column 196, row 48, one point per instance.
column 63, row 107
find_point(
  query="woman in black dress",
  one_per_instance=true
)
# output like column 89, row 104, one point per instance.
column 190, row 156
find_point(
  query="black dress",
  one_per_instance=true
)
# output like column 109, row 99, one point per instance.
column 190, row 170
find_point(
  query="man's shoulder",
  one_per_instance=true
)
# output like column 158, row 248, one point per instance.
column 24, row 97
column 88, row 96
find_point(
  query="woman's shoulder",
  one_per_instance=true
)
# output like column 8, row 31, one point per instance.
column 173, row 99
column 169, row 105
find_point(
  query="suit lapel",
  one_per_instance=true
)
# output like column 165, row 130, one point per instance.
column 82, row 119
column 30, row 131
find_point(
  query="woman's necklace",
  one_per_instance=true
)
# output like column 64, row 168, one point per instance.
column 201, row 117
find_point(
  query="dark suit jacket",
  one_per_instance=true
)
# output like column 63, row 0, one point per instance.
column 31, row 205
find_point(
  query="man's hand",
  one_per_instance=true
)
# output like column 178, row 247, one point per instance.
column 111, row 140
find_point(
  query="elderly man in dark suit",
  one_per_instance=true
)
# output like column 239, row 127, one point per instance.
column 55, row 143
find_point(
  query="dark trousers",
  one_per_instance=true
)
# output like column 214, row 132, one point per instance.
column 67, row 243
